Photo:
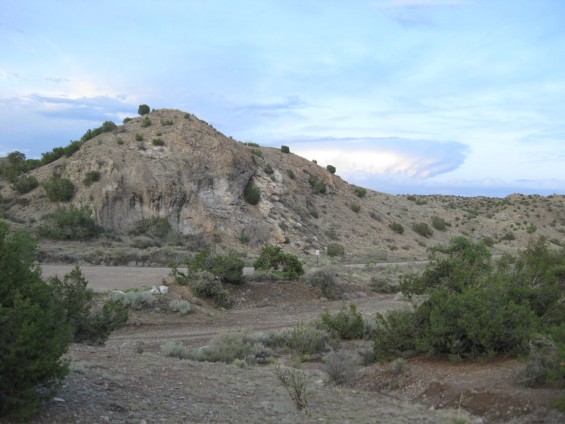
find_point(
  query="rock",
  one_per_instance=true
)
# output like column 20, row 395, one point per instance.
column 163, row 289
column 58, row 399
column 399, row 296
column 155, row 290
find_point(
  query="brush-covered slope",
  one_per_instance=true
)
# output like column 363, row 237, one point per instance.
column 171, row 165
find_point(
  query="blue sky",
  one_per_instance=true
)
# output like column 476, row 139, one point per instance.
column 402, row 96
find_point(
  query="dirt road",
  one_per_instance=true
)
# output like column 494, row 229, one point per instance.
column 102, row 278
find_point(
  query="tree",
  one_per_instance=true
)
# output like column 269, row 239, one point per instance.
column 59, row 189
column 272, row 258
column 227, row 268
column 331, row 169
column 76, row 297
column 34, row 332
column 143, row 110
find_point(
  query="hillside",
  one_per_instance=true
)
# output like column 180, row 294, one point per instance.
column 169, row 165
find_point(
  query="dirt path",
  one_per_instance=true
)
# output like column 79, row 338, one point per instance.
column 101, row 278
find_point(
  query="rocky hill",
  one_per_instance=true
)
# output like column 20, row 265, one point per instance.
column 172, row 166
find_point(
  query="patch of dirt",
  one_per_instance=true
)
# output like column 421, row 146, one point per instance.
column 484, row 389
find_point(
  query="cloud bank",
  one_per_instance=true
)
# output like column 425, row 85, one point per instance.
column 363, row 158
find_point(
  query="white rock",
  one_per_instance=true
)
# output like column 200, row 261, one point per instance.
column 155, row 290
column 163, row 289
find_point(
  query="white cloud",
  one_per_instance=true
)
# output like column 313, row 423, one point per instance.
column 364, row 158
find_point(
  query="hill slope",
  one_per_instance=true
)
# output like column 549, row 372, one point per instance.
column 182, row 170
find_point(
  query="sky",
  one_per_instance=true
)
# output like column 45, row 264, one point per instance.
column 463, row 97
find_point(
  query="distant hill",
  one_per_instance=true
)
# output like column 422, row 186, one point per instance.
column 172, row 166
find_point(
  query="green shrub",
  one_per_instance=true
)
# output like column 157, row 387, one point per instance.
column 324, row 280
column 285, row 149
column 181, row 306
column 290, row 174
column 341, row 367
column 224, row 347
column 226, row 268
column 146, row 122
column 107, row 126
column 477, row 310
column 285, row 265
column 439, row 223
column 466, row 264
column 478, row 322
column 487, row 241
column 166, row 122
column 559, row 403
column 91, row 177
column 360, row 192
column 395, row 334
column 318, row 186
column 70, row 223
column 545, row 360
column 134, row 299
column 126, row 120
column 14, row 166
column 335, row 249
column 396, row 227
column 143, row 109
column 347, row 324
column 508, row 236
column 34, row 333
column 268, row 169
column 157, row 142
column 382, row 285
column 205, row 285
column 332, row 234
column 76, row 298
column 252, row 194
column 302, row 339
column 355, row 207
column 138, row 137
column 257, row 152
column 59, row 189
column 175, row 350
column 314, row 213
column 331, row 169
column 25, row 184
column 423, row 229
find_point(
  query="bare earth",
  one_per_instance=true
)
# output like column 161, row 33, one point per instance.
column 128, row 380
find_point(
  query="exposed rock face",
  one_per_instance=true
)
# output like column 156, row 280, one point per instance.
column 182, row 169
column 195, row 179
